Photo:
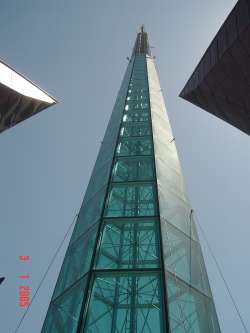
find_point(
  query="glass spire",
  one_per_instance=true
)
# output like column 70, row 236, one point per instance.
column 134, row 262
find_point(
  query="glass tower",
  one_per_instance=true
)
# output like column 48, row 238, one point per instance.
column 134, row 262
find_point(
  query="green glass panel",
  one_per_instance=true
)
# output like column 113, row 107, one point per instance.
column 136, row 116
column 139, row 70
column 127, row 244
column 189, row 310
column 109, row 141
column 138, row 82
column 139, row 73
column 77, row 261
column 89, row 214
column 139, row 66
column 170, row 178
column 64, row 312
column 140, row 97
column 183, row 257
column 122, row 303
column 175, row 211
column 137, row 85
column 133, row 168
column 136, row 105
column 135, row 129
column 134, row 146
column 138, row 92
column 131, row 200
column 99, row 178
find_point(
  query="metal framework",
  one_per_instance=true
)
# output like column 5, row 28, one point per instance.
column 19, row 98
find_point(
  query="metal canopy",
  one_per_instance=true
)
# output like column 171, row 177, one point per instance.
column 220, row 83
column 19, row 98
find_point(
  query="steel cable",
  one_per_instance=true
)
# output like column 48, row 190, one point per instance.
column 45, row 274
column 221, row 274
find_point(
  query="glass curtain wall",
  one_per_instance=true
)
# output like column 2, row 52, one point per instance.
column 134, row 263
column 112, row 275
column 67, row 303
column 127, row 293
column 190, row 303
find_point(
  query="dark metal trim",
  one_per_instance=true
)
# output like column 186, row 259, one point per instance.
column 141, row 44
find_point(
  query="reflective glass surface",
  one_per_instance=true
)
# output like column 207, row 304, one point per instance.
column 64, row 312
column 127, row 244
column 121, row 217
column 131, row 200
column 125, row 303
column 136, row 105
column 98, row 180
column 190, row 304
column 134, row 146
column 132, row 169
column 189, row 310
column 135, row 129
column 136, row 117
column 77, row 261
column 89, row 214
column 183, row 258
column 176, row 211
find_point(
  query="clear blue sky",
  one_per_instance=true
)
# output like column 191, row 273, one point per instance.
column 76, row 50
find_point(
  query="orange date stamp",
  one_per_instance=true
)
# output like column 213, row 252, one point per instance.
column 24, row 290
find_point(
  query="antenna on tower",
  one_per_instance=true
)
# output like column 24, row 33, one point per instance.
column 142, row 28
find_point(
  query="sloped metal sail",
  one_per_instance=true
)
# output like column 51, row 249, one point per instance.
column 134, row 263
column 220, row 82
column 19, row 98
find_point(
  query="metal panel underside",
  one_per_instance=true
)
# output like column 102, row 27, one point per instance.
column 15, row 107
column 221, row 81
